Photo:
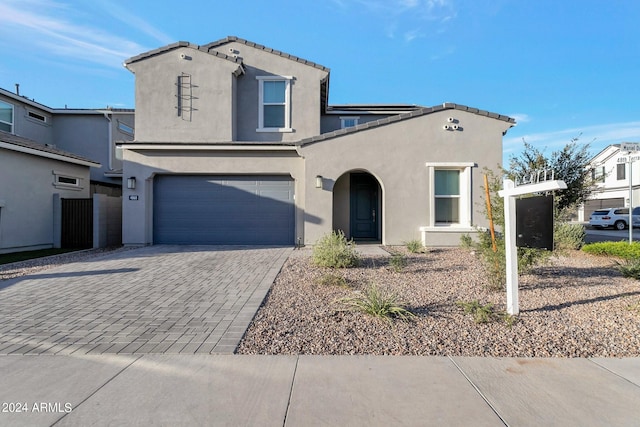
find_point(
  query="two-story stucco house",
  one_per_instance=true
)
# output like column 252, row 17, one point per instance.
column 236, row 144
column 611, row 172
column 49, row 154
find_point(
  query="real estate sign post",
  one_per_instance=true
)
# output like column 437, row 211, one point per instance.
column 510, row 192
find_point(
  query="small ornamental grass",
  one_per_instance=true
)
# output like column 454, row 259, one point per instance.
column 335, row 251
column 414, row 246
column 398, row 262
column 630, row 268
column 378, row 303
column 634, row 307
column 333, row 279
column 485, row 313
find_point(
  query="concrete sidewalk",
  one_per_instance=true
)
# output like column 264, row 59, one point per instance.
column 317, row 390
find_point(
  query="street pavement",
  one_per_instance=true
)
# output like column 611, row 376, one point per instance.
column 145, row 336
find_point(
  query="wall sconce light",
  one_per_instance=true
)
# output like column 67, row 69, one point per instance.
column 131, row 183
column 318, row 181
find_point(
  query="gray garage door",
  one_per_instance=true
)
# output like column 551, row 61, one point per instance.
column 232, row 210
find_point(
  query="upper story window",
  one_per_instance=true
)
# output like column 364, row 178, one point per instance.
column 6, row 117
column 274, row 104
column 36, row 116
column 620, row 171
column 125, row 128
column 598, row 174
column 347, row 122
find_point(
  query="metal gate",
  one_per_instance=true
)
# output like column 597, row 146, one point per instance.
column 77, row 223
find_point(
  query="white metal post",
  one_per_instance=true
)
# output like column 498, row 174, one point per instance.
column 630, row 200
column 510, row 249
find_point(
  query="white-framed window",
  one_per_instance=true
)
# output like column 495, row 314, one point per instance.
column 66, row 181
column 598, row 174
column 620, row 171
column 6, row 117
column 347, row 122
column 274, row 104
column 36, row 116
column 450, row 194
column 125, row 128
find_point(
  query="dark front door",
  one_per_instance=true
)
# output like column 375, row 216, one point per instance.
column 365, row 215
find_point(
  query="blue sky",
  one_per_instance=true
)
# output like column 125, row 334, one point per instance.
column 562, row 69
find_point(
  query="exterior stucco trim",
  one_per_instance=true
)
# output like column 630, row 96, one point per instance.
column 207, row 147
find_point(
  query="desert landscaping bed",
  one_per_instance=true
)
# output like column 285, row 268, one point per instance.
column 576, row 305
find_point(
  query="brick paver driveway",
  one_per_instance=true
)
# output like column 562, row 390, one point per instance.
column 156, row 299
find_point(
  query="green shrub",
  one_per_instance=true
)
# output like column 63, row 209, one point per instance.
column 485, row 313
column 378, row 303
column 335, row 251
column 615, row 249
column 630, row 268
column 398, row 261
column 414, row 246
column 333, row 279
column 495, row 263
column 466, row 242
column 568, row 236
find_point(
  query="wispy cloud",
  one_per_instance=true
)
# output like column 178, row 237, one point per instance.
column 135, row 21
column 416, row 18
column 599, row 136
column 50, row 26
column 520, row 117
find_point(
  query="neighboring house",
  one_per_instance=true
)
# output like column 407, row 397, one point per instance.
column 611, row 172
column 50, row 154
column 91, row 133
column 34, row 177
column 236, row 144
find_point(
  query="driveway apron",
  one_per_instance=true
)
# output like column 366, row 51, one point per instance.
column 156, row 299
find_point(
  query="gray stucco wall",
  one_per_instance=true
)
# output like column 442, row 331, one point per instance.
column 208, row 113
column 26, row 200
column 305, row 94
column 91, row 136
column 28, row 127
column 396, row 155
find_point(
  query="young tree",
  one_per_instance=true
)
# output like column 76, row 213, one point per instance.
column 570, row 164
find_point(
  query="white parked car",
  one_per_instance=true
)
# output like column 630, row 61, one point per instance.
column 617, row 218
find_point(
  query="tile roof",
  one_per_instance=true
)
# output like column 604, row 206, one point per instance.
column 229, row 39
column 19, row 141
column 404, row 116
column 181, row 44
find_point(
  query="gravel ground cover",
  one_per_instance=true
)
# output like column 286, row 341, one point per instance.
column 576, row 305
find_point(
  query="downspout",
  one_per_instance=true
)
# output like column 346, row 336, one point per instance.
column 109, row 133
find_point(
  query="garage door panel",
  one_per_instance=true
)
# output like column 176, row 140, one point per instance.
column 223, row 210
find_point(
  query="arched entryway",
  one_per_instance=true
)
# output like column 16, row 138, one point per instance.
column 357, row 206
